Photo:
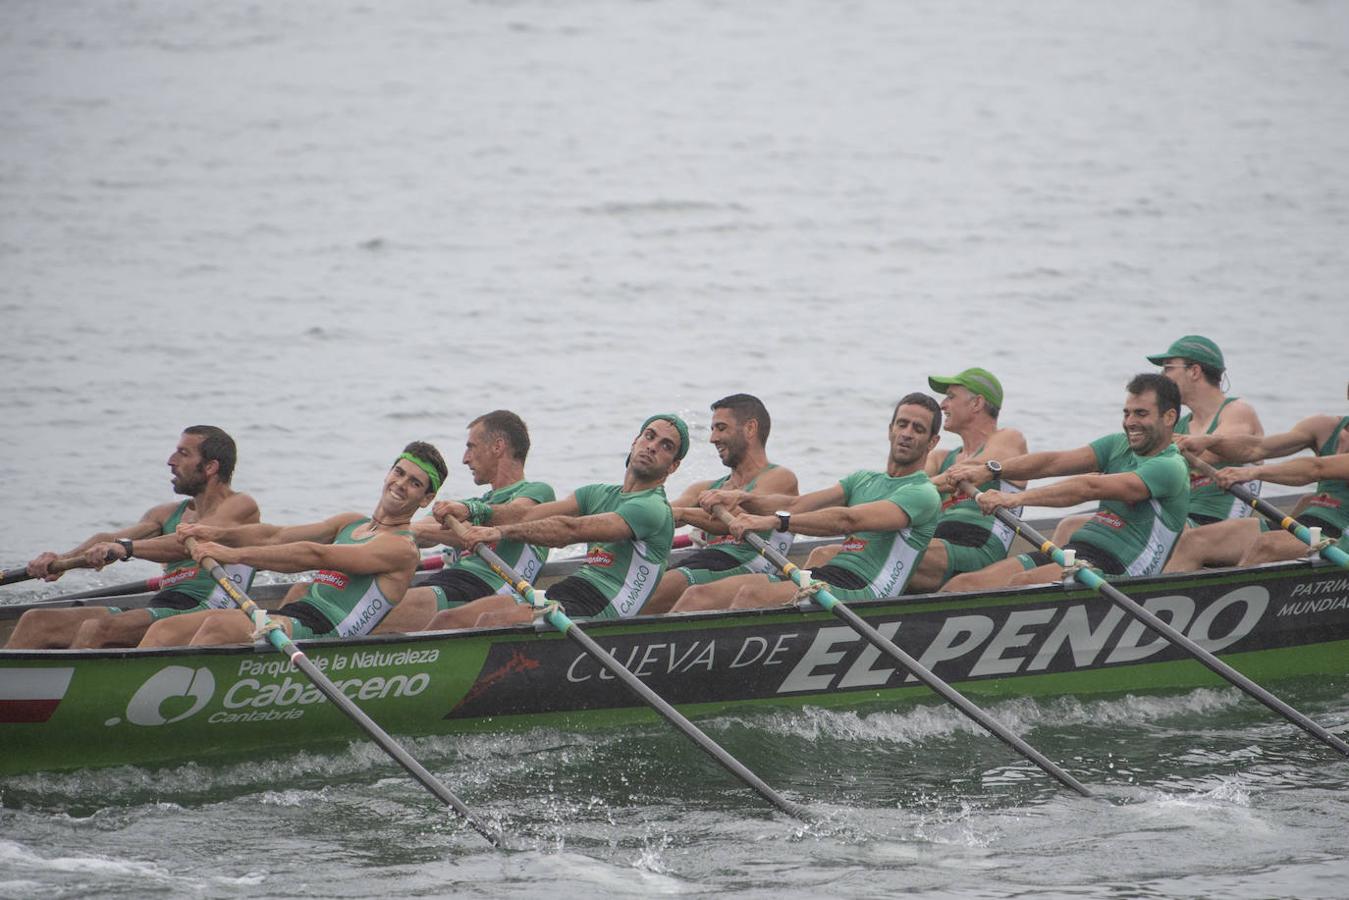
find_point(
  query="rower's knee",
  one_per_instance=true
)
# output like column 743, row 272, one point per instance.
column 697, row 597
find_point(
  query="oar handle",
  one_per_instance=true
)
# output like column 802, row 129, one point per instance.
column 1093, row 580
column 559, row 620
column 282, row 642
column 65, row 564
column 832, row 604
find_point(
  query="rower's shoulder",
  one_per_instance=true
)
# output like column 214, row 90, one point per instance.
column 1006, row 441
column 1239, row 417
column 776, row 479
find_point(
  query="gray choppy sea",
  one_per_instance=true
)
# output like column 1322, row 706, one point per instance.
column 335, row 227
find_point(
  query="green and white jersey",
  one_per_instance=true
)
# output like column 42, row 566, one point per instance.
column 1206, row 497
column 354, row 604
column 1331, row 501
column 746, row 555
column 186, row 577
column 1140, row 535
column 626, row 572
column 886, row 559
column 964, row 509
column 527, row 559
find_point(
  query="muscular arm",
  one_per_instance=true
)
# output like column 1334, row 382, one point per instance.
column 559, row 531
column 514, row 512
column 757, row 503
column 878, row 515
column 386, row 554
column 1045, row 464
column 1125, row 486
column 1241, row 448
column 1303, row 470
column 430, row 533
column 234, row 511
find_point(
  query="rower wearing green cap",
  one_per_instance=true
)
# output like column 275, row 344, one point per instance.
column 1196, row 365
column 364, row 563
column 967, row 539
column 628, row 527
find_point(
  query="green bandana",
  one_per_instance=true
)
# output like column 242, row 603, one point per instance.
column 426, row 467
column 680, row 427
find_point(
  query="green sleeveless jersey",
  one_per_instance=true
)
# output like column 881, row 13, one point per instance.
column 964, row 509
column 354, row 604
column 527, row 559
column 1331, row 502
column 1206, row 497
column 186, row 577
column 1140, row 535
column 626, row 572
column 886, row 559
column 741, row 551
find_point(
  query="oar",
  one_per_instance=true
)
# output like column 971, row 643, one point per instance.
column 428, row 563
column 832, row 604
column 1269, row 511
column 283, row 643
column 17, row 574
column 555, row 617
column 1091, row 579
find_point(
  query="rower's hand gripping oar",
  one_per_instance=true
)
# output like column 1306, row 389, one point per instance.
column 20, row 573
column 428, row 563
column 554, row 616
column 1093, row 580
column 829, row 602
column 282, row 642
column 1269, row 511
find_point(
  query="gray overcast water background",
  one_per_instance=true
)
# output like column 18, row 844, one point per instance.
column 334, row 227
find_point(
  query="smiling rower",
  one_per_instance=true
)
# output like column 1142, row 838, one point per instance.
column 365, row 563
column 1138, row 476
column 628, row 526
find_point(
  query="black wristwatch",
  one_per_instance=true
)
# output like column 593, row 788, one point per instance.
column 994, row 468
column 784, row 520
column 126, row 547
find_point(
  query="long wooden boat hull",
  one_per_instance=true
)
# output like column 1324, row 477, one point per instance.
column 73, row 709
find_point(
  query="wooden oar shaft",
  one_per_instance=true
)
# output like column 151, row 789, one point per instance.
column 282, row 642
column 1268, row 510
column 20, row 573
column 1091, row 579
column 832, row 604
column 563, row 623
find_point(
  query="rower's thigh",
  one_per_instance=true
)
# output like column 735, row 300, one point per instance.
column 47, row 629
column 125, row 629
column 1273, row 547
column 412, row 613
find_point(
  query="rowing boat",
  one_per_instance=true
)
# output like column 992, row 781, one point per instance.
column 73, row 709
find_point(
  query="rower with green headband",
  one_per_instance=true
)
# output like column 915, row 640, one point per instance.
column 364, row 563
column 628, row 527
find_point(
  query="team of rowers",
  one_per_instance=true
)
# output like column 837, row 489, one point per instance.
column 913, row 526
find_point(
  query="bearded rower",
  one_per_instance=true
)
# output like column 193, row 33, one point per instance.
column 1138, row 476
column 365, row 563
column 889, row 517
column 202, row 465
column 740, row 426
